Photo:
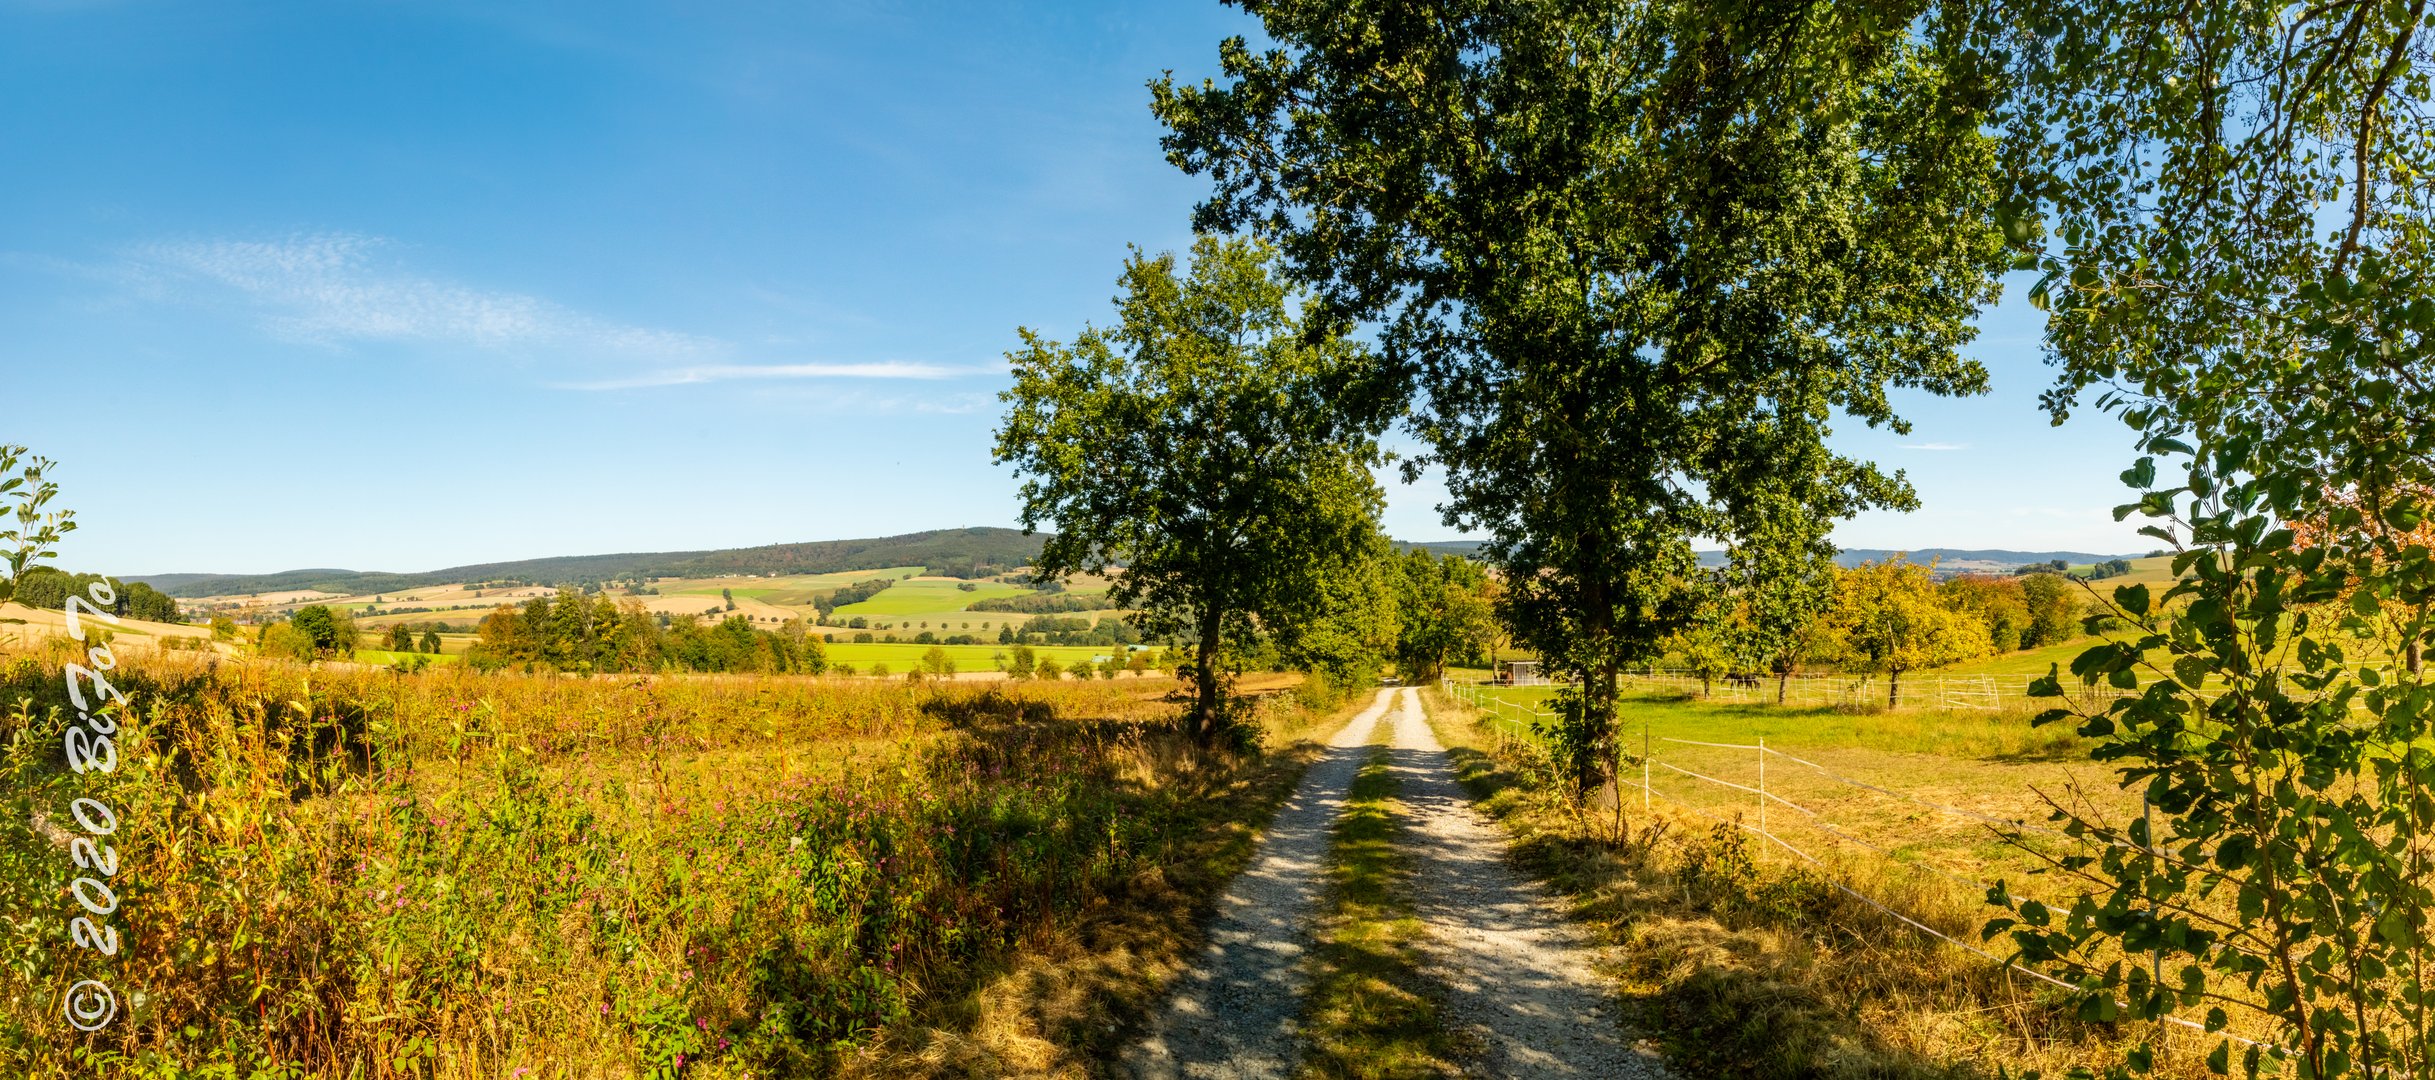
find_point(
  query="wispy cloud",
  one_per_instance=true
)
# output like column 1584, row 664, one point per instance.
column 886, row 369
column 334, row 289
column 340, row 289
column 1936, row 446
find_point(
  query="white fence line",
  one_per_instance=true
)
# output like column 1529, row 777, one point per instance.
column 1471, row 694
column 1976, row 693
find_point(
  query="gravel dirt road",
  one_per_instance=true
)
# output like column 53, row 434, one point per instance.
column 1512, row 969
column 1233, row 1014
column 1516, row 973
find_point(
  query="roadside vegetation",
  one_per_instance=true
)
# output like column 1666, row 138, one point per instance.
column 1744, row 962
column 456, row 874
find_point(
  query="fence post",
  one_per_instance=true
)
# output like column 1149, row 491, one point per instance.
column 1762, row 785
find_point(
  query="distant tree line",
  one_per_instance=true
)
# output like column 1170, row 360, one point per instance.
column 47, row 587
column 1055, row 630
column 1881, row 618
column 402, row 638
column 960, row 553
column 851, row 594
column 2108, row 568
column 1042, row 603
column 574, row 633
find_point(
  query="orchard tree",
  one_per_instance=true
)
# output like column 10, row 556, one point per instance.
column 2054, row 610
column 1711, row 643
column 1887, row 620
column 1636, row 259
column 1201, row 443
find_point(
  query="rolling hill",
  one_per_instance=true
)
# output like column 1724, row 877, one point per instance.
column 950, row 552
column 1948, row 558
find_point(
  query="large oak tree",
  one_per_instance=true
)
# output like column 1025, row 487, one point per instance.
column 1634, row 257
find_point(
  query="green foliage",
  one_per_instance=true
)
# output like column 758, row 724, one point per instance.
column 50, row 587
column 2109, row 568
column 1349, row 626
column 1444, row 613
column 1042, row 603
column 1634, row 263
column 31, row 533
column 1999, row 604
column 1886, row 619
column 2054, row 610
column 1021, row 662
column 574, row 633
column 1782, row 574
column 1715, row 643
column 1199, row 443
column 322, row 632
column 935, row 664
column 430, row 642
column 2229, row 213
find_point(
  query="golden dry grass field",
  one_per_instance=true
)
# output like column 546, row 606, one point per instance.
column 346, row 872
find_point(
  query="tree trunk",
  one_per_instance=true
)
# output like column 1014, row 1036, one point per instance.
column 1783, row 677
column 1609, row 689
column 2412, row 657
column 1893, row 690
column 1205, row 704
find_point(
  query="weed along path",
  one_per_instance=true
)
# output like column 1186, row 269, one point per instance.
column 1516, row 973
column 1233, row 1014
column 1513, row 974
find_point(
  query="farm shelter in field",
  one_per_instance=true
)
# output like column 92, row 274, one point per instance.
column 1520, row 673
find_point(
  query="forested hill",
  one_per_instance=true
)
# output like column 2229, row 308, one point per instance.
column 953, row 552
column 1971, row 558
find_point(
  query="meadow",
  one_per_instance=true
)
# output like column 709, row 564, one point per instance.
column 1753, row 960
column 930, row 596
column 350, row 872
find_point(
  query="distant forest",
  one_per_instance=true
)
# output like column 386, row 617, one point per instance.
column 46, row 587
column 964, row 553
column 1042, row 603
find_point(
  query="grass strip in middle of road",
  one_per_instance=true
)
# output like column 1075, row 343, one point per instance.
column 1372, row 1014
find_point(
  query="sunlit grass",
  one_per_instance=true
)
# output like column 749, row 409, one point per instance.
column 350, row 872
column 1370, row 1014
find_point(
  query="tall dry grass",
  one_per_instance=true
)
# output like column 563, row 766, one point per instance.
column 450, row 874
column 1744, row 964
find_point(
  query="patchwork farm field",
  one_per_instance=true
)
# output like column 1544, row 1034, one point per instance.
column 933, row 596
column 769, row 602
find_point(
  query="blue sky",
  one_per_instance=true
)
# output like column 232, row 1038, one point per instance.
column 391, row 286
